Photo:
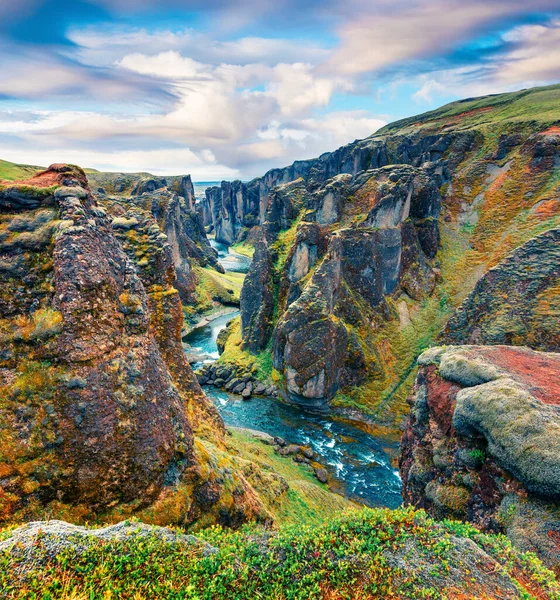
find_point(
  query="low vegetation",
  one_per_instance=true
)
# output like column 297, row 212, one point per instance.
column 12, row 171
column 367, row 554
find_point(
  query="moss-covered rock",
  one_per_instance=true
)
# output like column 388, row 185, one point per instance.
column 482, row 442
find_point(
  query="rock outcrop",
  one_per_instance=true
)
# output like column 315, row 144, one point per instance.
column 332, row 282
column 483, row 442
column 136, row 184
column 517, row 302
column 175, row 217
column 98, row 402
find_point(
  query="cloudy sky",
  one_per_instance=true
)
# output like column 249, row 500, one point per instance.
column 226, row 89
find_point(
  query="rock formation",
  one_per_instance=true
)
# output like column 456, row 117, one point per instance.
column 332, row 281
column 98, row 403
column 364, row 253
column 175, row 216
column 482, row 442
column 516, row 302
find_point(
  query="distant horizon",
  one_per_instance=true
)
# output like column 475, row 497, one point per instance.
column 218, row 180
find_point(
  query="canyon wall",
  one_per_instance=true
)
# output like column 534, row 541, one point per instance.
column 363, row 254
column 99, row 409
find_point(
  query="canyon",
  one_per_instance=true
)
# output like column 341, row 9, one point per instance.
column 407, row 284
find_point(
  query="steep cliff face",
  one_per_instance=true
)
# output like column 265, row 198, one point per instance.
column 482, row 442
column 369, row 251
column 516, row 302
column 316, row 341
column 176, row 217
column 98, row 405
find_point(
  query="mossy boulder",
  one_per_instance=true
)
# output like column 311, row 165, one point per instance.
column 482, row 442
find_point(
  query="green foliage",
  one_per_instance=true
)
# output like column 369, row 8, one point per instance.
column 260, row 364
column 347, row 557
column 214, row 287
column 478, row 455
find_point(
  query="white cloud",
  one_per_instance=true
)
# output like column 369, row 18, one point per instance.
column 531, row 57
column 389, row 33
column 166, row 65
column 230, row 106
column 426, row 92
column 105, row 45
column 170, row 161
column 535, row 57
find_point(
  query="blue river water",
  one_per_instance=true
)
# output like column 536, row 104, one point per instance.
column 360, row 464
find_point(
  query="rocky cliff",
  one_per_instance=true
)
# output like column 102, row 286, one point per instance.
column 364, row 253
column 175, row 216
column 482, row 442
column 98, row 406
column 136, row 184
column 516, row 302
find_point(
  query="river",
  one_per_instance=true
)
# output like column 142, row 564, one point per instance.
column 358, row 462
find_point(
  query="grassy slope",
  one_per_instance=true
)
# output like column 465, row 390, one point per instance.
column 354, row 556
column 215, row 290
column 12, row 171
column 306, row 501
column 537, row 105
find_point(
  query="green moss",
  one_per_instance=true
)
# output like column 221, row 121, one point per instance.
column 260, row 364
column 214, row 287
column 244, row 248
column 39, row 193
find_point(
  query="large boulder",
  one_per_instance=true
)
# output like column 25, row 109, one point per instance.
column 483, row 442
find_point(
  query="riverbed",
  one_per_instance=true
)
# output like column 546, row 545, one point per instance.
column 359, row 464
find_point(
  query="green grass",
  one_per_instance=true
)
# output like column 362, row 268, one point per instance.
column 536, row 105
column 217, row 288
column 234, row 353
column 306, row 501
column 12, row 171
column 244, row 249
column 345, row 557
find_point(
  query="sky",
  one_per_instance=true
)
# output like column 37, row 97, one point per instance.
column 227, row 90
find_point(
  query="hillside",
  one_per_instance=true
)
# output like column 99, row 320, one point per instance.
column 12, row 171
column 441, row 197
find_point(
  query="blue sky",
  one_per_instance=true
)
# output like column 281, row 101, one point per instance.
column 229, row 89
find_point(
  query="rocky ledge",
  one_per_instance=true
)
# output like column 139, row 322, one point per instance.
column 482, row 442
